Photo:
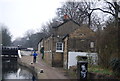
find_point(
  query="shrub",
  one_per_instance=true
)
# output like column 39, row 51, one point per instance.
column 115, row 65
column 81, row 58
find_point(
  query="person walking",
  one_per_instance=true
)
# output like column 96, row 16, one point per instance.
column 42, row 52
column 34, row 56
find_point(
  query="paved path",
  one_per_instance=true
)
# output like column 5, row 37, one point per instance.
column 49, row 72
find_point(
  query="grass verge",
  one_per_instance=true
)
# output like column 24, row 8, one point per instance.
column 98, row 69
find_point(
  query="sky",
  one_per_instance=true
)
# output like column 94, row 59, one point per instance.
column 22, row 15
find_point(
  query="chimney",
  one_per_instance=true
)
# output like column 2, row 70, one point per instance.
column 66, row 17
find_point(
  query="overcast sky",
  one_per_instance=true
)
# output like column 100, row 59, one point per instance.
column 22, row 15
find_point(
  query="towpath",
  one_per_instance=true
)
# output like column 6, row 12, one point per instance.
column 48, row 71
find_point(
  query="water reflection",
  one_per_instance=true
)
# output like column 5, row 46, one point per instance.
column 11, row 70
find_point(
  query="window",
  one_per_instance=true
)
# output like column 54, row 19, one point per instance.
column 92, row 44
column 59, row 47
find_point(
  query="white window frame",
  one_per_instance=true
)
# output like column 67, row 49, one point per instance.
column 57, row 47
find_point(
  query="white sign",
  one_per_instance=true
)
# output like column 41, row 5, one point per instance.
column 119, row 15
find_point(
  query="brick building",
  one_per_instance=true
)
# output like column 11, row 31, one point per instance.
column 53, row 45
column 66, row 34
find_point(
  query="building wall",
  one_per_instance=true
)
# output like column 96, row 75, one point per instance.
column 39, row 47
column 48, row 50
column 81, row 39
column 65, row 55
column 77, row 44
column 57, row 57
column 52, row 57
column 83, row 32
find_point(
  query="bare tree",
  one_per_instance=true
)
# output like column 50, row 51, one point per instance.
column 6, row 36
column 80, row 12
column 112, row 8
column 74, row 10
column 28, row 33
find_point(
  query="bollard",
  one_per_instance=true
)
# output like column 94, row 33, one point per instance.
column 82, row 69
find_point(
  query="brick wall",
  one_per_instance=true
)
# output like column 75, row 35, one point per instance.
column 58, row 60
column 81, row 39
column 65, row 61
column 48, row 50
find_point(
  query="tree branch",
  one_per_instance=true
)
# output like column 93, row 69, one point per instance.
column 103, row 11
column 110, row 4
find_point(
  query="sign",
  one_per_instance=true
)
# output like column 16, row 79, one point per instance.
column 82, row 69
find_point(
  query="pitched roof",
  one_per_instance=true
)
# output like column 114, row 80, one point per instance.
column 66, row 22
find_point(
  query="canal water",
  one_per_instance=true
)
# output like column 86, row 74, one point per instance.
column 12, row 70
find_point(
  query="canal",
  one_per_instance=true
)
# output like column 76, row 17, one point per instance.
column 12, row 70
